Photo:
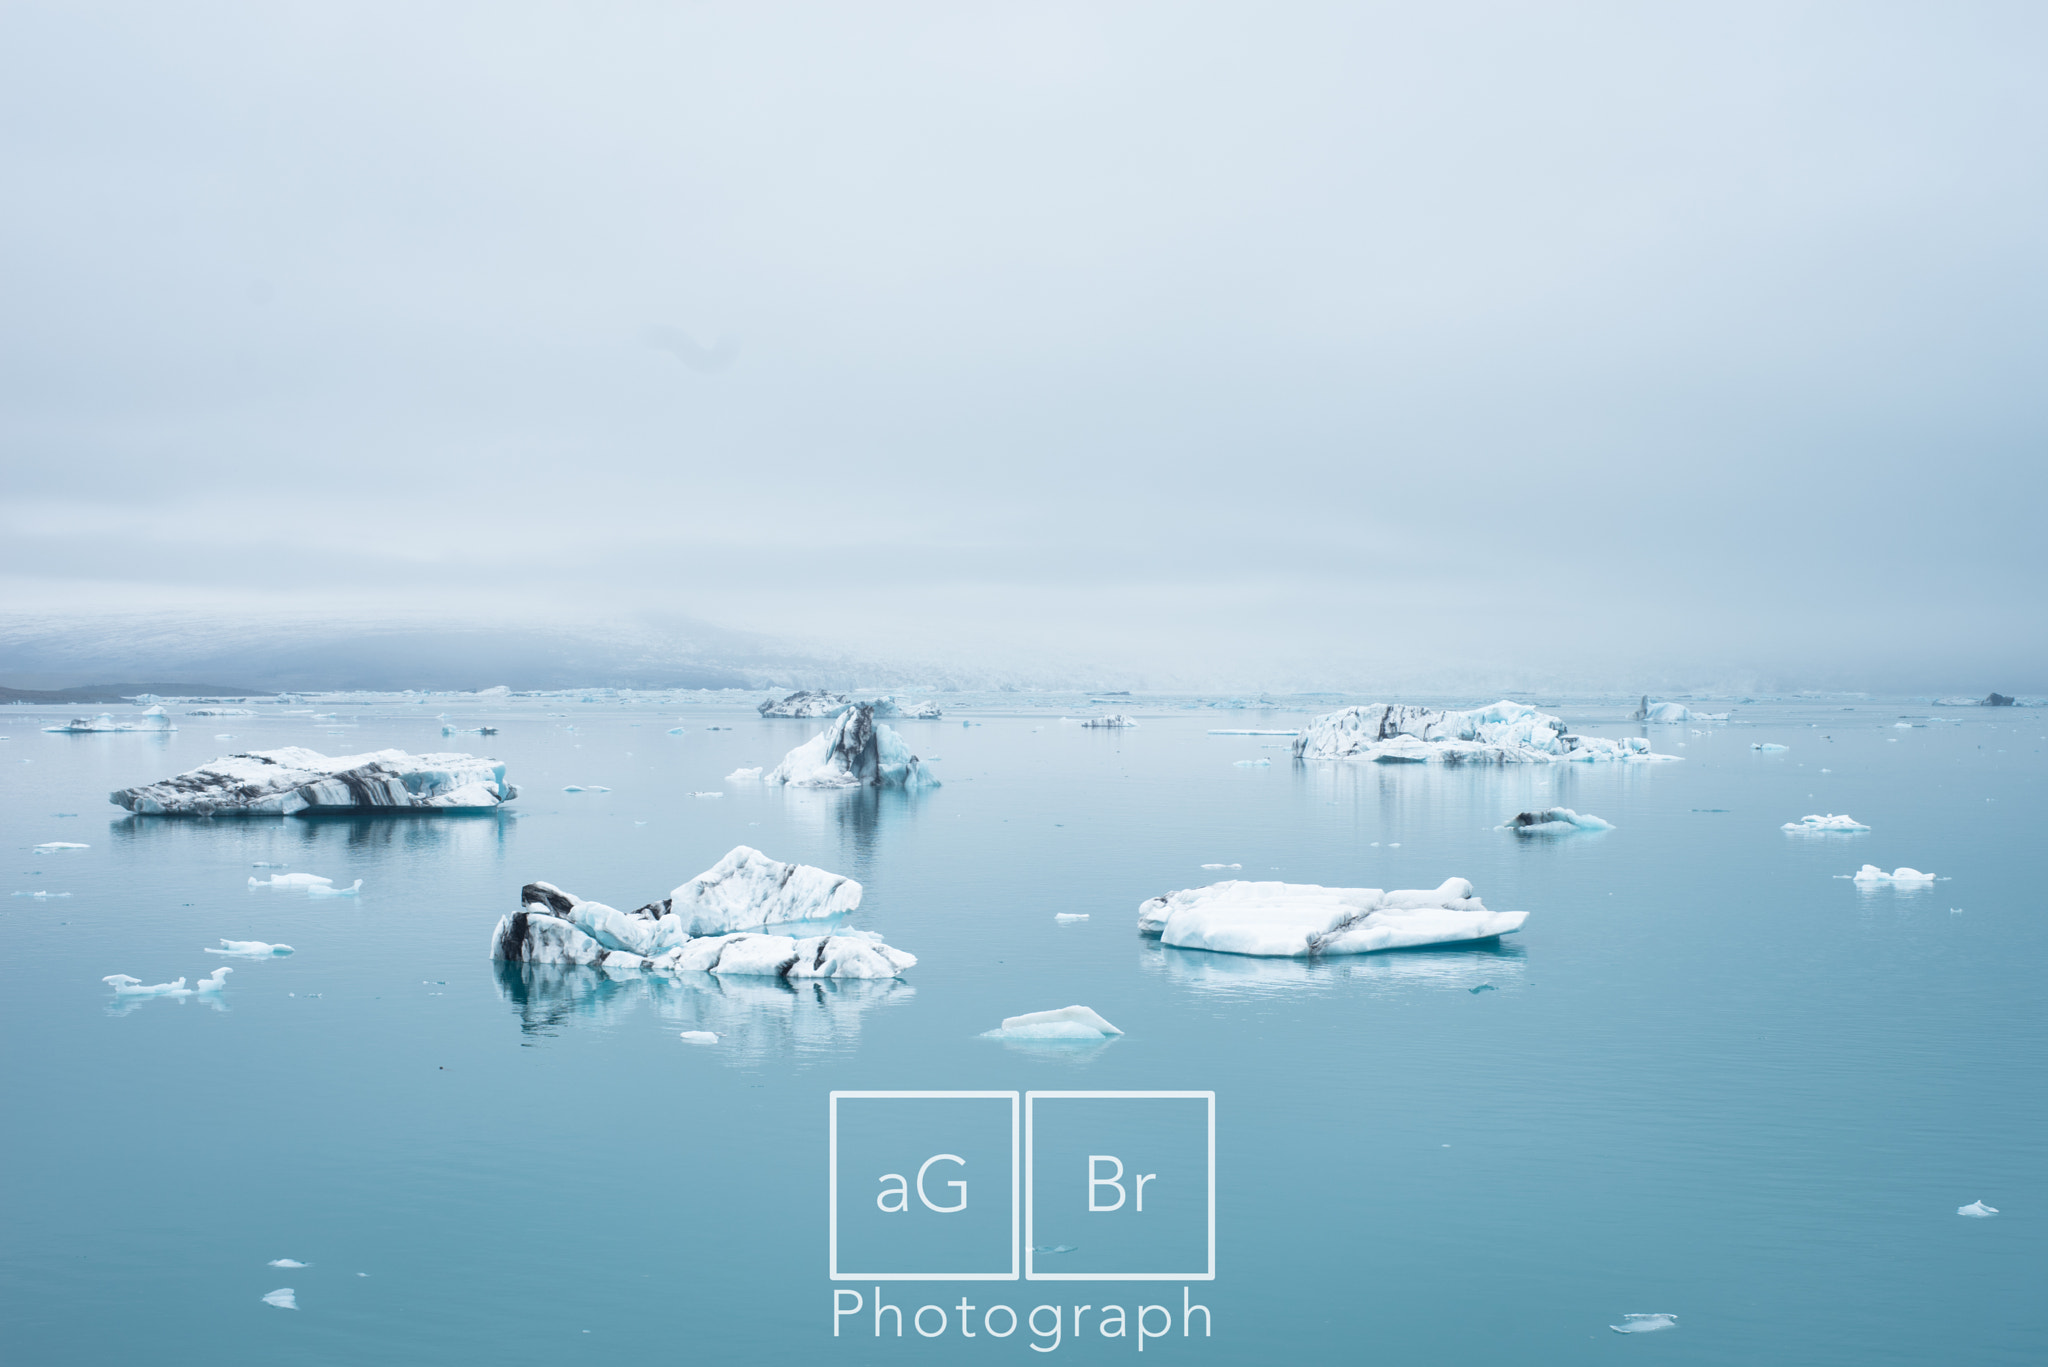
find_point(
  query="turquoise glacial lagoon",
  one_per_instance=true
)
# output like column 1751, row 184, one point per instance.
column 1711, row 1077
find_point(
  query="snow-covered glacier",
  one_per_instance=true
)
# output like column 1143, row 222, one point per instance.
column 706, row 925
column 1502, row 733
column 1304, row 920
column 855, row 751
column 296, row 781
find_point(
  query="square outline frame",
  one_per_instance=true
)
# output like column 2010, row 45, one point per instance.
column 832, row 1200
column 1033, row 1275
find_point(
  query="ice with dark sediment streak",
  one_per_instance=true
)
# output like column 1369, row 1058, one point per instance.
column 704, row 926
column 1304, row 920
column 855, row 751
column 1113, row 721
column 294, row 781
column 1501, row 733
column 1555, row 821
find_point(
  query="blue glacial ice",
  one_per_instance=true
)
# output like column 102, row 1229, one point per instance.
column 1304, row 920
column 1502, row 733
column 296, row 781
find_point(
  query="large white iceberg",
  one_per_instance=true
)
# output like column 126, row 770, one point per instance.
column 702, row 926
column 855, row 751
column 1303, row 920
column 1555, row 821
column 806, row 703
column 1502, row 733
column 296, row 781
column 1827, row 823
column 151, row 720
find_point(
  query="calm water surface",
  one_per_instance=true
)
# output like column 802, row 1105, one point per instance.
column 1712, row 1078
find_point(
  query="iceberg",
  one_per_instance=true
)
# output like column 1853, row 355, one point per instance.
column 216, row 980
column 886, row 706
column 1977, row 1210
column 1111, row 721
column 286, row 1262
column 752, row 775
column 1871, row 873
column 328, row 890
column 295, row 781
column 806, row 703
column 855, row 751
column 1768, row 745
column 126, row 986
column 1503, row 733
column 151, row 720
column 291, row 880
column 700, row 927
column 251, row 949
column 1067, row 1023
column 1674, row 712
column 52, row 846
column 1644, row 1324
column 284, row 1298
column 1830, row 822
column 1251, row 763
column 700, row 1036
column 218, row 712
column 1303, row 920
column 1555, row 821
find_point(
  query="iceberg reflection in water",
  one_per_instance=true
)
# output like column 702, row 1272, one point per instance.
column 1460, row 967
column 754, row 1018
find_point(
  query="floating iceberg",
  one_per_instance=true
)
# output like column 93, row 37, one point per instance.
column 1067, row 1023
column 1254, row 733
column 469, row 731
column 219, row 712
column 286, row 1262
column 151, row 720
column 1977, row 1210
column 52, row 846
column 1070, row 916
column 1555, row 821
column 700, row 1036
column 1826, row 823
column 586, row 788
column 1768, row 745
column 328, row 890
column 807, row 703
column 291, row 880
column 296, row 781
column 1303, row 920
column 1112, row 721
column 1644, row 1324
column 886, row 706
column 1871, row 873
column 1251, row 763
column 698, row 926
column 1672, row 711
column 251, row 949
column 744, row 775
column 284, row 1298
column 855, row 751
column 126, row 986
column 216, row 980
column 1503, row 733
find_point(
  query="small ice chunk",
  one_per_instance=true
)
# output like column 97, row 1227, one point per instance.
column 286, row 1262
column 1830, row 822
column 1224, row 866
column 1251, row 763
column 42, row 894
column 52, row 846
column 586, row 788
column 678, row 731
column 321, row 890
column 216, row 980
column 700, row 1036
column 1112, row 721
column 126, row 986
column 1871, row 873
column 291, row 880
column 1067, row 1023
column 707, row 794
column 1644, row 1324
column 250, row 949
column 1070, row 916
column 266, row 864
column 1977, row 1210
column 752, row 775
column 1555, row 821
column 284, row 1298
column 1768, row 745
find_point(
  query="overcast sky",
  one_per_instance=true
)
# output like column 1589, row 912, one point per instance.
column 1254, row 342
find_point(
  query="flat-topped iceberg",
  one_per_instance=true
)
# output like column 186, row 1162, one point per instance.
column 1871, row 873
column 855, row 751
column 296, row 781
column 1303, row 920
column 1067, row 1023
column 1555, row 821
column 1827, row 823
column 704, row 926
column 1502, row 733
column 809, row 702
column 152, row 720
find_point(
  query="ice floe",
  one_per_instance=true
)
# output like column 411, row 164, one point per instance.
column 855, row 751
column 1824, row 824
column 294, row 781
column 1304, row 920
column 126, row 986
column 1067, row 1023
column 1222, row 866
column 1555, row 821
column 286, row 1262
column 284, row 1298
column 809, row 702
column 700, row 926
column 700, row 1036
column 1977, row 1210
column 1502, row 733
column 886, row 706
column 53, row 846
column 1871, row 873
column 1070, row 916
column 1768, row 746
column 1110, row 721
column 151, row 720
column 1644, row 1324
column 214, row 981
column 329, row 890
column 251, row 949
column 291, row 880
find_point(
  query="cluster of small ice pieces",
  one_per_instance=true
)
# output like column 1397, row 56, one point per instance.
column 705, row 926
column 1554, row 821
column 151, row 720
column 1830, row 822
column 1110, row 721
column 295, row 780
column 855, row 751
column 816, row 702
column 1871, row 873
column 1067, row 1023
column 1304, row 920
column 1502, row 733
